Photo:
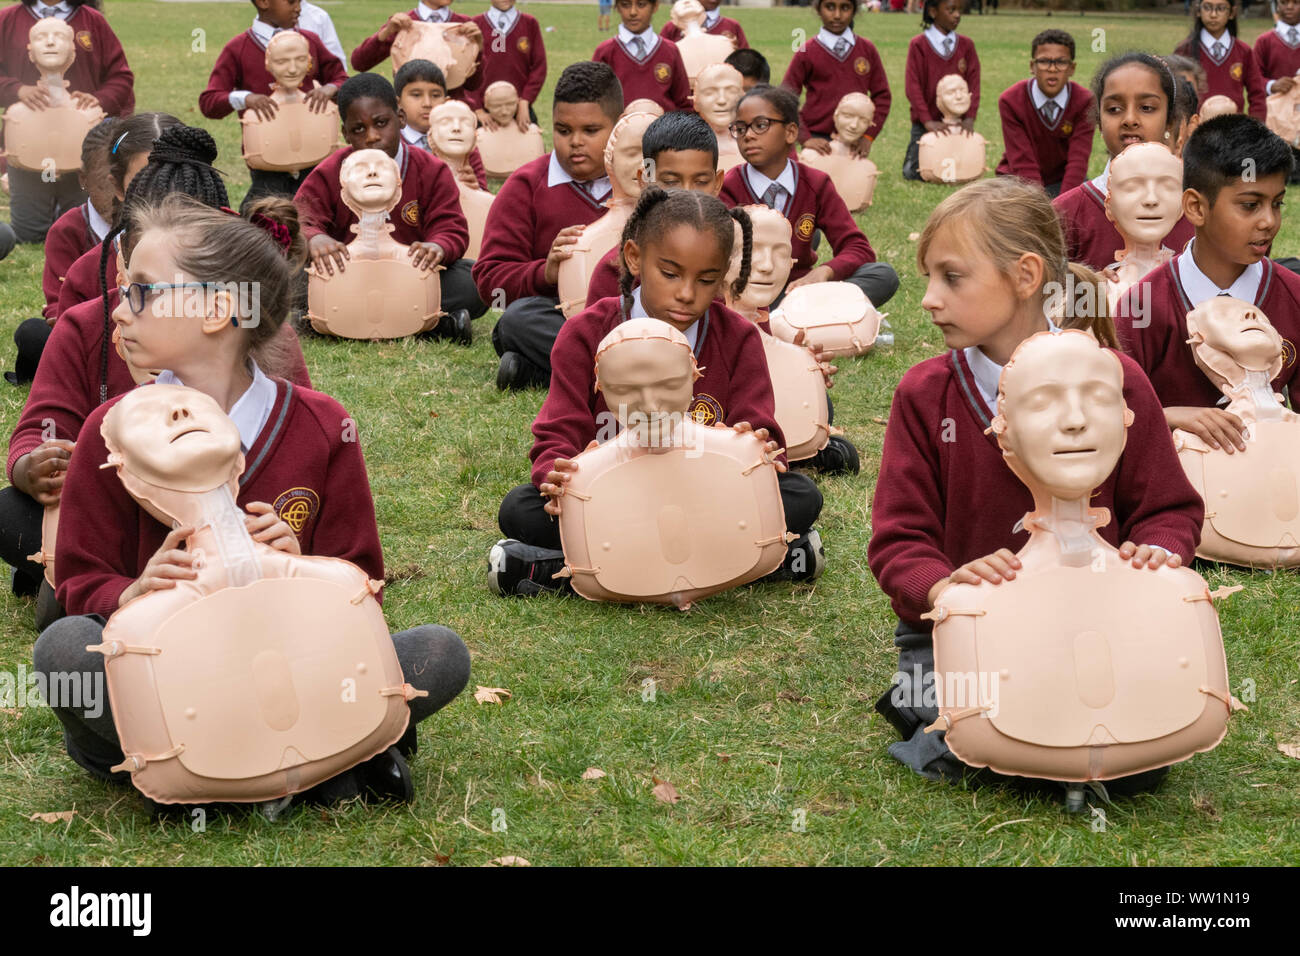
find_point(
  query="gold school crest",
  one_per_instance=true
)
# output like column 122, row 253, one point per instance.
column 296, row 506
column 663, row 73
column 861, row 66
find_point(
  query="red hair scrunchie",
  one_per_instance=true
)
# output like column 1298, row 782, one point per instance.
column 276, row 230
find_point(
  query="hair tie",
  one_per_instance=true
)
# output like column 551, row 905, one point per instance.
column 276, row 230
column 227, row 209
column 119, row 142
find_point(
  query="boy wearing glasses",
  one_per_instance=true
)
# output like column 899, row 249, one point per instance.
column 1047, row 120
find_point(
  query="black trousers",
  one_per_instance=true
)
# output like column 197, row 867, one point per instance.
column 459, row 291
column 20, row 536
column 34, row 204
column 912, row 159
column 523, row 515
column 529, row 326
column 266, row 182
column 30, row 338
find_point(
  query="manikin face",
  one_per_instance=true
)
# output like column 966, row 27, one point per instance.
column 49, row 45
column 769, row 261
column 717, row 91
column 173, row 437
column 1146, row 192
column 1237, row 329
column 853, row 117
column 953, row 96
column 288, row 59
column 451, row 129
column 645, row 371
column 623, row 152
column 1062, row 402
column 370, row 181
column 501, row 101
column 687, row 12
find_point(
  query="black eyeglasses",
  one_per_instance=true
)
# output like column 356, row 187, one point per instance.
column 760, row 125
column 1045, row 64
column 134, row 294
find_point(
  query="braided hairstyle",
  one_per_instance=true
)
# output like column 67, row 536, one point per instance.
column 659, row 210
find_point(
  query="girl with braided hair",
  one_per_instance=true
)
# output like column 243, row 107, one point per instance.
column 677, row 245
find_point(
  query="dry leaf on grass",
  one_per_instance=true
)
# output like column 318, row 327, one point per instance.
column 913, row 236
column 62, row 816
column 724, row 757
column 664, row 791
column 593, row 773
column 490, row 695
column 508, row 861
column 1291, row 749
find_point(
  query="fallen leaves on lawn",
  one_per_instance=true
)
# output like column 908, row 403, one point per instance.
column 1290, row 749
column 593, row 773
column 794, row 697
column 724, row 757
column 1205, row 805
column 664, row 791
column 409, row 572
column 490, row 695
column 508, row 861
column 62, row 816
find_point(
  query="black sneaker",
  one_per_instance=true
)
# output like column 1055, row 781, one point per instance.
column 837, row 458
column 516, row 372
column 805, row 560
column 385, row 777
column 516, row 569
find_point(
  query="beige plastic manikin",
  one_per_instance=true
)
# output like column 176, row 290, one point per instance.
column 853, row 176
column 296, row 138
column 837, row 317
column 622, row 161
column 453, row 47
column 380, row 294
column 643, row 105
column 717, row 91
column 1082, row 667
column 1252, row 498
column 698, row 48
column 1144, row 200
column 451, row 137
column 634, row 521
column 506, row 148
column 1284, row 114
column 268, row 673
column 798, row 386
column 1218, row 106
column 953, row 156
column 38, row 139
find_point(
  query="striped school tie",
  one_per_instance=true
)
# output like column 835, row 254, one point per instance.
column 841, row 47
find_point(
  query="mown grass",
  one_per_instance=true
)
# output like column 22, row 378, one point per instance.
column 763, row 696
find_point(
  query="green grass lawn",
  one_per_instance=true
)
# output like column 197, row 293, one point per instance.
column 763, row 703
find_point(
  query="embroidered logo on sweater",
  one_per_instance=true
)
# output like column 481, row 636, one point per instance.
column 83, row 37
column 522, row 44
column 1235, row 72
column 663, row 73
column 1288, row 353
column 805, row 226
column 961, row 65
column 1067, row 128
column 706, row 410
column 411, row 212
column 296, row 506
column 861, row 66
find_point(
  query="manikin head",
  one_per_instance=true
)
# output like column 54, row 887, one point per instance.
column 1230, row 338
column 953, row 97
column 451, row 130
column 688, row 13
column 288, row 59
column 1061, row 414
column 1219, row 105
column 770, row 260
column 853, row 117
column 646, row 371
column 50, row 46
column 1145, row 196
column 717, row 91
column 370, row 182
column 643, row 105
column 501, row 100
column 623, row 154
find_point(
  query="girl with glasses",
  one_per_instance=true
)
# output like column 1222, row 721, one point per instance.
column 1229, row 63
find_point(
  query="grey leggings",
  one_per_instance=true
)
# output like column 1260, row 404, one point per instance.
column 433, row 659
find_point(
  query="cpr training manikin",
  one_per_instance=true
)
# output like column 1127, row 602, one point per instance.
column 297, row 137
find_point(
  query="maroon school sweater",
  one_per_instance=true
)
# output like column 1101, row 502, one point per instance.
column 828, row 79
column 520, row 227
column 518, row 57
column 1274, row 58
column 1237, row 76
column 945, row 496
column 1161, row 348
column 67, row 240
column 99, row 68
column 82, row 281
column 815, row 205
column 735, row 386
column 1090, row 237
column 925, row 69
column 723, row 27
column 106, row 538
column 1041, row 153
column 660, row 77
column 428, row 210
column 67, row 384
column 241, row 65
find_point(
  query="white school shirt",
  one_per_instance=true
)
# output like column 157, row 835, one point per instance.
column 936, row 38
column 760, row 183
column 60, row 10
column 415, row 138
column 430, row 15
column 1200, row 287
column 98, row 224
column 316, row 20
column 648, row 37
column 556, row 175
column 828, row 39
column 1060, row 99
column 1208, row 42
column 503, row 21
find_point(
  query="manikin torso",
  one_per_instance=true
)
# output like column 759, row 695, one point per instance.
column 717, row 91
column 380, row 294
column 1251, row 513
column 622, row 160
column 1284, row 114
column 505, row 149
column 1145, row 201
column 38, row 139
column 296, row 138
column 443, row 44
column 451, row 137
column 854, row 177
column 227, row 687
column 698, row 48
column 1082, row 667
column 955, row 156
column 633, row 522
column 836, row 317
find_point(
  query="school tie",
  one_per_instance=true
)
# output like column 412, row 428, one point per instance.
column 1216, row 51
column 638, row 48
column 54, row 12
column 1292, row 37
column 1048, row 110
column 774, row 197
column 841, row 47
column 947, row 47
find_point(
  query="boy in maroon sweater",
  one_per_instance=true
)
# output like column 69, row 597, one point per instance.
column 375, row 49
column 936, row 52
column 1236, row 220
column 1047, row 120
column 537, row 217
column 427, row 217
column 715, row 23
column 99, row 75
column 512, row 51
column 647, row 65
column 421, row 88
column 1277, row 53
